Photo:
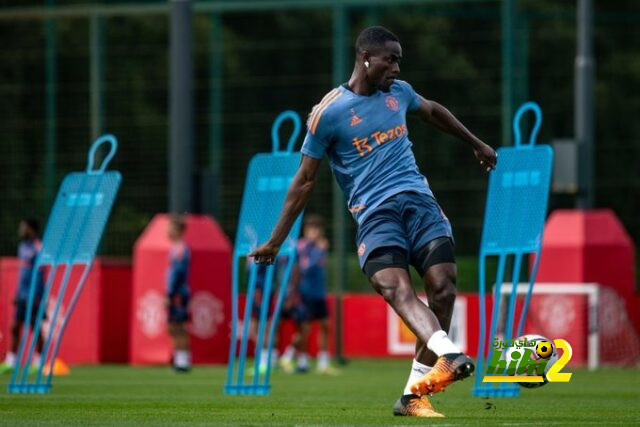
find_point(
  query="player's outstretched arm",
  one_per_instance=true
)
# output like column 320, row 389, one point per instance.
column 297, row 197
column 438, row 116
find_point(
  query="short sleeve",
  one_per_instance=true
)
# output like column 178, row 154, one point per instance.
column 318, row 137
column 411, row 97
column 320, row 126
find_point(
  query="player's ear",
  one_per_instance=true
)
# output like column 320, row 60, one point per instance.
column 366, row 58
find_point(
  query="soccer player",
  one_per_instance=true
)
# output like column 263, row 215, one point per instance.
column 310, row 283
column 361, row 127
column 28, row 250
column 178, row 293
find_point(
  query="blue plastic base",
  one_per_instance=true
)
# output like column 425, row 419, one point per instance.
column 259, row 390
column 491, row 391
column 28, row 388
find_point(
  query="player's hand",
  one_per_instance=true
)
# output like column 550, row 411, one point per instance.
column 487, row 156
column 265, row 253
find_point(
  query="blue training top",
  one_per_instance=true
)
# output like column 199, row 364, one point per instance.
column 178, row 273
column 312, row 260
column 27, row 252
column 367, row 143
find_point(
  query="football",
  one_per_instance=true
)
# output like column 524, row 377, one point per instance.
column 542, row 350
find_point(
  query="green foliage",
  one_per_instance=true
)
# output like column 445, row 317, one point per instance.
column 282, row 60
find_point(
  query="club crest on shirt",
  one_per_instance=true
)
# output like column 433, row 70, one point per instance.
column 392, row 103
column 361, row 249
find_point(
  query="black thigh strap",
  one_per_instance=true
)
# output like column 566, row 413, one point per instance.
column 385, row 257
column 437, row 251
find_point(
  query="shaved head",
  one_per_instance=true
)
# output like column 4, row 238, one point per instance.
column 373, row 39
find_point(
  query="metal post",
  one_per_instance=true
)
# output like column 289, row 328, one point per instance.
column 340, row 31
column 180, row 108
column 96, row 75
column 215, row 114
column 523, row 58
column 507, row 14
column 584, row 117
column 50, row 110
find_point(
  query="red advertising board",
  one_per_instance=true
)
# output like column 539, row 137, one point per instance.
column 97, row 329
column 210, row 284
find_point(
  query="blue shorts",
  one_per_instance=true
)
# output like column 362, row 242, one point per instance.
column 21, row 311
column 310, row 309
column 256, row 307
column 407, row 220
column 178, row 308
column 285, row 313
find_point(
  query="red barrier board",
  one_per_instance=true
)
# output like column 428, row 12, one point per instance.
column 210, row 283
column 365, row 325
column 97, row 329
column 592, row 246
column 115, row 310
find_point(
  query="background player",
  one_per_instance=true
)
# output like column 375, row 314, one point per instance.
column 309, row 282
column 361, row 127
column 178, row 293
column 28, row 250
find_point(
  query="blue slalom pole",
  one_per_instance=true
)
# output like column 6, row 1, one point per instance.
column 276, row 314
column 527, row 300
column 65, row 320
column 245, row 326
column 482, row 323
column 43, row 301
column 65, row 281
column 264, row 311
column 512, row 298
column 234, row 323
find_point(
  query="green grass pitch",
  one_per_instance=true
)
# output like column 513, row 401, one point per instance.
column 362, row 395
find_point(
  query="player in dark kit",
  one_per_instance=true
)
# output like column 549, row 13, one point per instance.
column 28, row 250
column 361, row 127
column 309, row 284
column 178, row 293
